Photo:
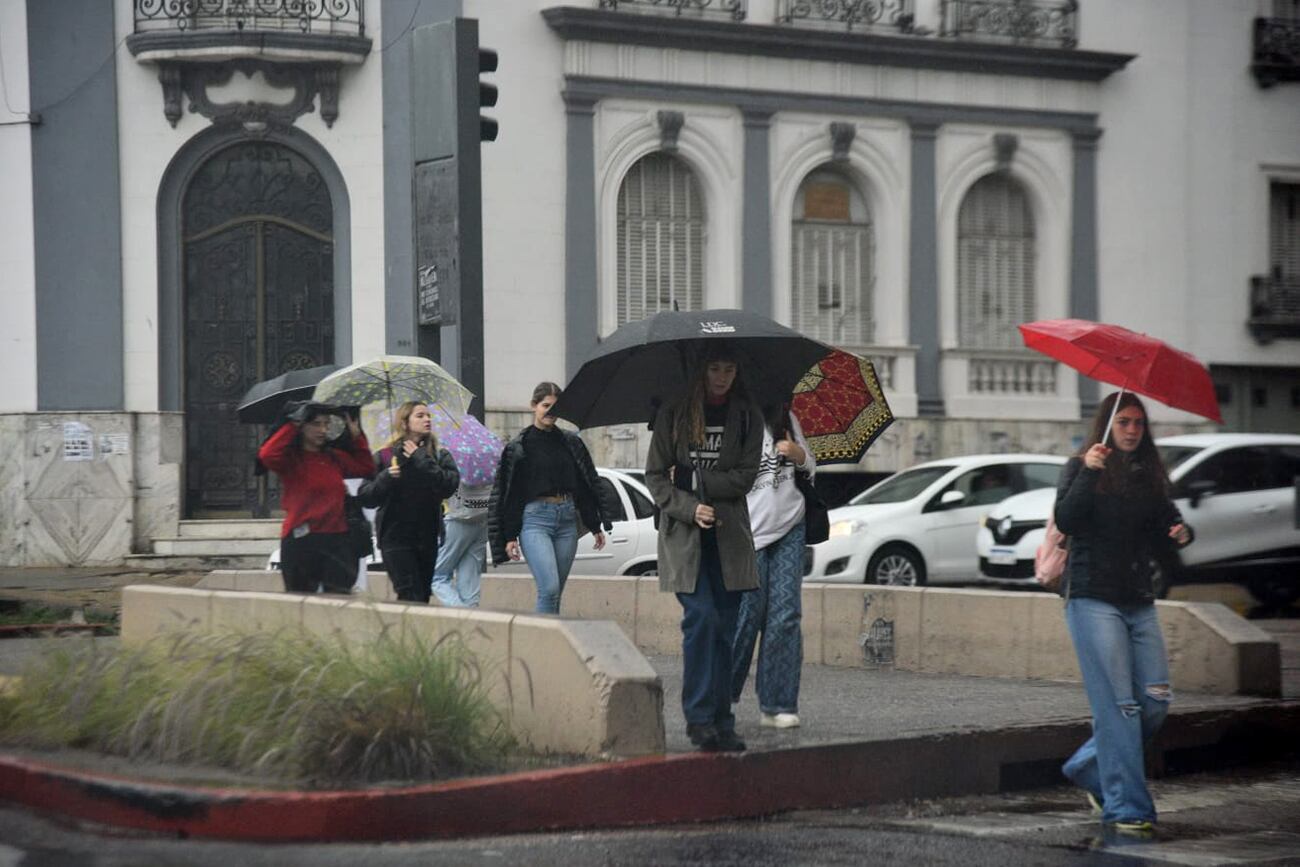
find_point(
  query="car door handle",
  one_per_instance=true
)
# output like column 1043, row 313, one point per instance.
column 1264, row 510
column 618, row 540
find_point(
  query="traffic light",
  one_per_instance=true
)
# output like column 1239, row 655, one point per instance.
column 487, row 95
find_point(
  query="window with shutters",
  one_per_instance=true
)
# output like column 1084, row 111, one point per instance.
column 995, row 264
column 833, row 261
column 661, row 239
column 1284, row 233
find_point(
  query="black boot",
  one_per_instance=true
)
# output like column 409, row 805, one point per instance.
column 704, row 736
column 729, row 741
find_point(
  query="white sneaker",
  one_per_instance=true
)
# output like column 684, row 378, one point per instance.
column 779, row 720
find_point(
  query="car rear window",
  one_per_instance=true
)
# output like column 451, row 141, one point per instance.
column 900, row 488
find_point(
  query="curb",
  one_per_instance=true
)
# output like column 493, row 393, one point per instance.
column 691, row 787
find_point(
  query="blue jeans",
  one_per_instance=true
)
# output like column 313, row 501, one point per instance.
column 458, row 575
column 549, row 540
column 775, row 609
column 708, row 627
column 1126, row 676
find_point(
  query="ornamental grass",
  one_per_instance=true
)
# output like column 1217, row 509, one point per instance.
column 286, row 705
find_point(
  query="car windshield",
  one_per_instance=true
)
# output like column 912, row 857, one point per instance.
column 897, row 489
column 1175, row 455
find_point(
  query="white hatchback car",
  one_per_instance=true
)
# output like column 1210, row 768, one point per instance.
column 1238, row 492
column 918, row 526
column 630, row 548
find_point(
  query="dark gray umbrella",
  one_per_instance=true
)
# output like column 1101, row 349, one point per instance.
column 645, row 364
column 264, row 402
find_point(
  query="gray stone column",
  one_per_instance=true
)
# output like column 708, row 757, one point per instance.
column 581, row 329
column 756, row 243
column 1084, row 303
column 923, row 266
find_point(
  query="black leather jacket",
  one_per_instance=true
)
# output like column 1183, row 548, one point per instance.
column 506, row 508
column 410, row 506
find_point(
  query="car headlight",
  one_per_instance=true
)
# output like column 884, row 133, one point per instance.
column 846, row 528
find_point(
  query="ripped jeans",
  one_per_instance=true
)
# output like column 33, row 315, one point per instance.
column 1126, row 676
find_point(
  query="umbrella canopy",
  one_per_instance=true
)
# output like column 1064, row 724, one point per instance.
column 645, row 364
column 476, row 449
column 1133, row 361
column 264, row 402
column 391, row 380
column 841, row 408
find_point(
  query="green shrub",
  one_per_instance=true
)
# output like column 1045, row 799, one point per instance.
column 287, row 704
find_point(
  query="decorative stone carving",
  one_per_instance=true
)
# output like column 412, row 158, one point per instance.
column 1004, row 149
column 842, row 135
column 670, row 125
column 306, row 81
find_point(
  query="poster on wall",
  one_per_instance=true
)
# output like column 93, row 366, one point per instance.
column 78, row 442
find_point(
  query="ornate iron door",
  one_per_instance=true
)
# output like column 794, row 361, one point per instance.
column 259, row 300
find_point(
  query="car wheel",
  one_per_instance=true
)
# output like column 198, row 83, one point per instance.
column 1274, row 590
column 896, row 566
column 644, row 570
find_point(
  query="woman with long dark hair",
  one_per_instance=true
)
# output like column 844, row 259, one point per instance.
column 704, row 455
column 315, row 553
column 1113, row 503
column 414, row 476
column 546, row 482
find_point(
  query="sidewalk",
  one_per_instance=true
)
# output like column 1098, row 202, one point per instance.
column 867, row 737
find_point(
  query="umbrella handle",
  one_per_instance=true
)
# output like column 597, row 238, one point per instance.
column 1110, row 421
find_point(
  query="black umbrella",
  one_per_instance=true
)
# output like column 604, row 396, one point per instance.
column 264, row 402
column 645, row 364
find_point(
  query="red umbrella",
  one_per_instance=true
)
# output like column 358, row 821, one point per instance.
column 840, row 407
column 1133, row 361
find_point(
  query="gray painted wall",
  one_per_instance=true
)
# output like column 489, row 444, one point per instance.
column 756, row 245
column 399, row 18
column 580, row 301
column 923, row 265
column 77, row 206
column 1083, row 249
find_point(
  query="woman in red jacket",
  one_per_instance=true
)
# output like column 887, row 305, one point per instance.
column 314, row 548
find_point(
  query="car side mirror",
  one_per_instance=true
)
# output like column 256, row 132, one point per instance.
column 1199, row 490
column 951, row 498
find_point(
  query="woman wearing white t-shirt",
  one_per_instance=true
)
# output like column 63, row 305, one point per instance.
column 776, row 515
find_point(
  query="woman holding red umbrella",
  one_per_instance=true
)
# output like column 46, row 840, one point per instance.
column 1113, row 502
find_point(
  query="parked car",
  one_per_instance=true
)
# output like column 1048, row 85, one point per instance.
column 1237, row 491
column 630, row 547
column 918, row 526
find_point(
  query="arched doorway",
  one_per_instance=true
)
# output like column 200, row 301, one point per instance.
column 257, row 251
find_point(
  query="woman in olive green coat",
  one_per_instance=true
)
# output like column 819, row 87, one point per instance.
column 703, row 459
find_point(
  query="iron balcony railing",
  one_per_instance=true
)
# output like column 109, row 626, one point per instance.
column 1023, row 22
column 1274, row 307
column 862, row 15
column 332, row 17
column 733, row 9
column 1277, row 50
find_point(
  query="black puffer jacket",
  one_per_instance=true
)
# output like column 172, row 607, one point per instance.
column 506, row 508
column 1114, row 538
column 410, row 506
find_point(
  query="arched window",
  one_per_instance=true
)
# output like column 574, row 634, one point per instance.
column 833, row 261
column 661, row 239
column 995, row 263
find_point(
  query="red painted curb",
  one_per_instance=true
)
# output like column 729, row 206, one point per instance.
column 692, row 787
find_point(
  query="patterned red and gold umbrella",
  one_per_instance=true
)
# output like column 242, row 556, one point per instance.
column 841, row 407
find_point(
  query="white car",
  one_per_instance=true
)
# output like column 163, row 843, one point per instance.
column 1237, row 491
column 918, row 526
column 630, row 548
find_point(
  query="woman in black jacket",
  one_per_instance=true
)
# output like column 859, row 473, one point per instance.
column 414, row 476
column 1113, row 502
column 545, row 483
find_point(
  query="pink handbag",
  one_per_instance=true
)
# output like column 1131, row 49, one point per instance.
column 1049, row 559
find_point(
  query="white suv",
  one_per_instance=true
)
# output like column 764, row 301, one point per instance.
column 919, row 525
column 1238, row 491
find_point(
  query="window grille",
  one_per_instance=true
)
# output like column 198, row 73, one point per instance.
column 1284, row 233
column 833, row 262
column 995, row 264
column 661, row 239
